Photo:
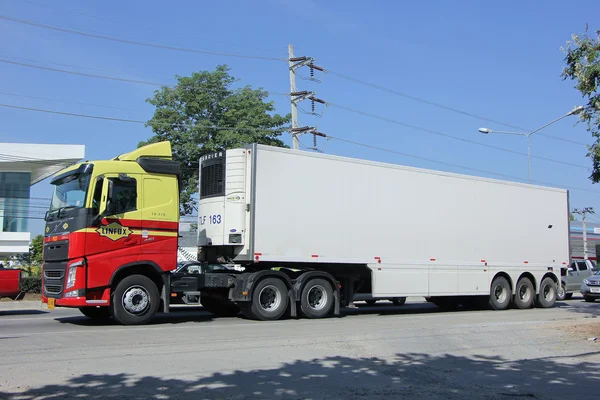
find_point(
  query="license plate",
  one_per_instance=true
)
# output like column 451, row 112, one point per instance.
column 595, row 290
column 50, row 303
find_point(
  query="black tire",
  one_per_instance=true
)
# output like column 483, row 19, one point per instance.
column 219, row 304
column 269, row 300
column 568, row 296
column 316, row 299
column 524, row 294
column 398, row 301
column 370, row 302
column 561, row 292
column 589, row 299
column 135, row 300
column 547, row 294
column 500, row 294
column 96, row 313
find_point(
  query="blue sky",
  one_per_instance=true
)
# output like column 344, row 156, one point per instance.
column 497, row 60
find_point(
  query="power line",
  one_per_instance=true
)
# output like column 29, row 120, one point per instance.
column 447, row 135
column 128, row 23
column 442, row 106
column 135, row 42
column 281, row 130
column 68, row 102
column 345, row 108
column 112, row 78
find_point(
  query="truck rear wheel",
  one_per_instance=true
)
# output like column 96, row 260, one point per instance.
column 96, row 313
column 500, row 295
column 269, row 300
column 316, row 299
column 547, row 295
column 525, row 293
column 135, row 300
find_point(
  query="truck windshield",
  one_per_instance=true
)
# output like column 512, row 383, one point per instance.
column 70, row 191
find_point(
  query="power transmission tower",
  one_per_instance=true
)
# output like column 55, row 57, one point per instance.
column 583, row 212
column 298, row 96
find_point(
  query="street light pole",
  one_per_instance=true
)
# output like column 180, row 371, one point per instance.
column 574, row 111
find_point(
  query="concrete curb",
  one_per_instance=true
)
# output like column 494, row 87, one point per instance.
column 22, row 305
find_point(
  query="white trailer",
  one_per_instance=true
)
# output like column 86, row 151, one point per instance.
column 313, row 231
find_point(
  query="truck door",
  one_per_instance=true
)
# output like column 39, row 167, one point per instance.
column 572, row 278
column 116, row 241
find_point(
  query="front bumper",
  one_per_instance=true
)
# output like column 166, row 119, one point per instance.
column 590, row 291
column 82, row 299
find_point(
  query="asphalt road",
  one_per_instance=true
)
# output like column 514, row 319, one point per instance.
column 380, row 352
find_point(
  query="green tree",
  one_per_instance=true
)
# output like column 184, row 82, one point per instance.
column 31, row 261
column 203, row 114
column 582, row 59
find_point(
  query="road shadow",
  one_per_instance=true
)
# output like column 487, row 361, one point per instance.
column 579, row 306
column 22, row 312
column 406, row 376
column 176, row 316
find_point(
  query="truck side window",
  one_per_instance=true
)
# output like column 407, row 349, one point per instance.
column 124, row 196
column 582, row 265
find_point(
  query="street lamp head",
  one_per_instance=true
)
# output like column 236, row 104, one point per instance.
column 485, row 130
column 576, row 110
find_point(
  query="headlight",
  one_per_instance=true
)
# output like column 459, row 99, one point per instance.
column 587, row 282
column 73, row 274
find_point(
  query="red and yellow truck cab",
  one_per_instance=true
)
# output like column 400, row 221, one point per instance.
column 111, row 227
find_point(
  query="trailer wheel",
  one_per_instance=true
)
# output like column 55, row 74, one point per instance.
column 370, row 302
column 500, row 294
column 269, row 300
column 525, row 293
column 96, row 313
column 561, row 292
column 398, row 301
column 547, row 295
column 135, row 300
column 316, row 299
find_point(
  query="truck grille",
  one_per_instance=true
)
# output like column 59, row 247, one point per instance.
column 54, row 274
column 54, row 279
column 53, row 289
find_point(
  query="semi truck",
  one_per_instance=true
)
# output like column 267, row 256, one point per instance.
column 293, row 234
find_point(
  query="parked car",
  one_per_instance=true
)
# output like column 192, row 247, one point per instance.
column 590, row 287
column 10, row 282
column 573, row 276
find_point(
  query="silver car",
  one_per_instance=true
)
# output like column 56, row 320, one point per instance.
column 590, row 288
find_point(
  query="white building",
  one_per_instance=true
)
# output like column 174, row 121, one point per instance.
column 21, row 166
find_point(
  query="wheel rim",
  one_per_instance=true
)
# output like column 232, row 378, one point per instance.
column 136, row 300
column 560, row 291
column 548, row 293
column 317, row 297
column 269, row 298
column 524, row 293
column 500, row 293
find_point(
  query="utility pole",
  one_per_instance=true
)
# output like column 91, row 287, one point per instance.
column 296, row 97
column 295, row 141
column 583, row 212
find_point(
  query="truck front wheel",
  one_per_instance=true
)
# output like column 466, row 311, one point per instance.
column 135, row 300
column 269, row 300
